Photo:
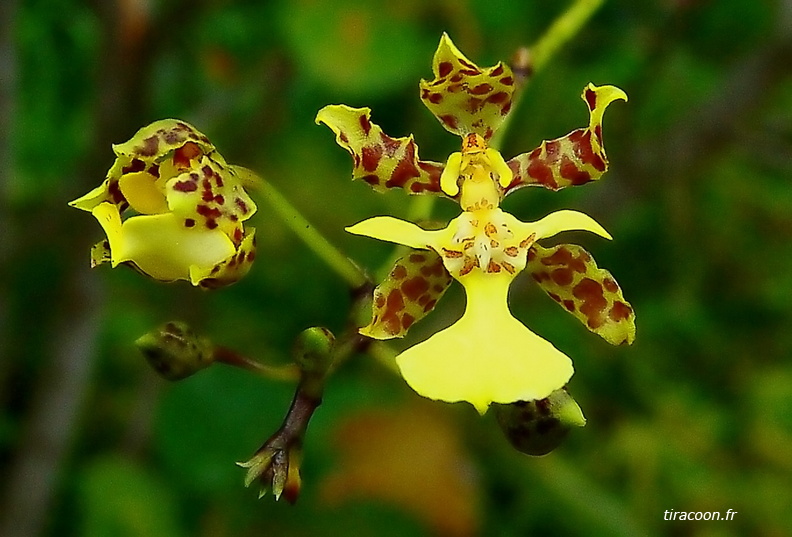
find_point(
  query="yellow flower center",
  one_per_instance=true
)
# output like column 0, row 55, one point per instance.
column 484, row 239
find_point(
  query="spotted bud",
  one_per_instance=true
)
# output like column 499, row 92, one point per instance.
column 175, row 351
column 538, row 427
column 313, row 350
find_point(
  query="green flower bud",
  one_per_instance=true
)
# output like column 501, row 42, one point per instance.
column 538, row 427
column 175, row 351
column 313, row 350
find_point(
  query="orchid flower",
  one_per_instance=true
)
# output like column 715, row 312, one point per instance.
column 487, row 356
column 173, row 209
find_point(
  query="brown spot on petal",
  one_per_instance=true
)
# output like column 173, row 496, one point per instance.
column 365, row 124
column 542, row 173
column 241, row 205
column 390, row 145
column 136, row 165
column 371, row 155
column 407, row 321
column 444, row 69
column 591, row 98
column 414, row 287
column 594, row 302
column 399, row 272
column 391, row 322
column 417, row 258
column 450, row 121
column 569, row 305
column 497, row 98
column 481, row 89
column 497, row 71
column 453, row 254
column 564, row 257
column 512, row 251
column 395, row 301
column 149, row 147
column 187, row 152
column 435, row 98
column 493, row 267
column 581, row 139
column 570, row 171
column 620, row 311
column 403, row 172
column 610, row 285
column 562, row 276
column 185, row 186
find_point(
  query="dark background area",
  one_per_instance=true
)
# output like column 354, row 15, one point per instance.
column 695, row 416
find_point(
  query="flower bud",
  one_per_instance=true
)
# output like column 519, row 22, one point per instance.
column 538, row 427
column 313, row 350
column 175, row 351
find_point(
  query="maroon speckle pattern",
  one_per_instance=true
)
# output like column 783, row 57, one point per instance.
column 569, row 275
column 444, row 69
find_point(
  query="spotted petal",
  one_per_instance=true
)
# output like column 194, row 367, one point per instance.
column 575, row 159
column 209, row 194
column 487, row 356
column 409, row 292
column 379, row 160
column 569, row 275
column 176, row 141
column 464, row 97
column 161, row 247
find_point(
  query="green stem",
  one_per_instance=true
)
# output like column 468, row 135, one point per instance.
column 292, row 217
column 287, row 372
column 562, row 30
column 559, row 33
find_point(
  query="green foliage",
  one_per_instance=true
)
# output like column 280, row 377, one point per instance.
column 694, row 416
column 118, row 498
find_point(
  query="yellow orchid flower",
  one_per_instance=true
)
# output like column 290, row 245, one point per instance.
column 487, row 356
column 188, row 207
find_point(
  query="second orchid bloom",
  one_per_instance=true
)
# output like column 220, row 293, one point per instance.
column 487, row 356
column 173, row 209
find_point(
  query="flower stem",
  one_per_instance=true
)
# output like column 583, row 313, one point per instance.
column 292, row 217
column 288, row 372
column 562, row 30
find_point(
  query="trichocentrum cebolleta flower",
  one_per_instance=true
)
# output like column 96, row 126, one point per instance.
column 487, row 356
column 173, row 209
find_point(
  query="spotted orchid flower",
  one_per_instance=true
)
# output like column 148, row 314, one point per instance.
column 173, row 209
column 487, row 356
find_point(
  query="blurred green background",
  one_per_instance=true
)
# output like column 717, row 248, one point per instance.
column 695, row 416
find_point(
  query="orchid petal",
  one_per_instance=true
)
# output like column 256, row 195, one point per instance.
column 159, row 245
column 379, row 160
column 575, row 159
column 409, row 292
column 387, row 228
column 487, row 356
column 465, row 98
column 571, row 277
column 559, row 221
